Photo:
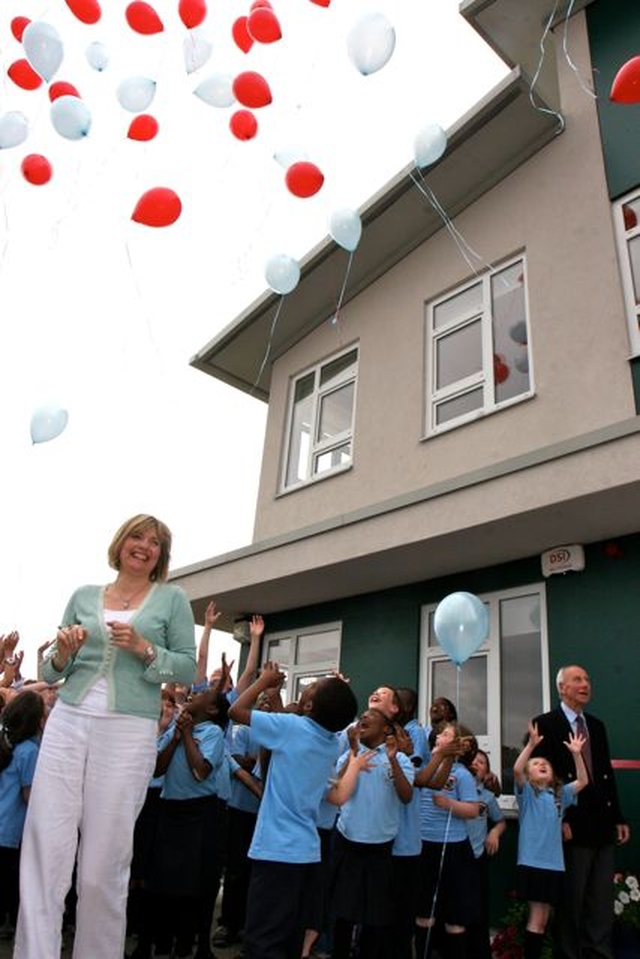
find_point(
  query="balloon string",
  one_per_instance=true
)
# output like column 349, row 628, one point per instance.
column 454, row 233
column 147, row 319
column 336, row 315
column 536, row 76
column 269, row 343
column 434, row 901
column 565, row 48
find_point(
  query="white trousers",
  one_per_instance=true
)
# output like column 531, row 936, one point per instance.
column 90, row 782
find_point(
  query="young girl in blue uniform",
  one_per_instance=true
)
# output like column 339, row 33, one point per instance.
column 21, row 723
column 448, row 875
column 542, row 800
column 362, row 881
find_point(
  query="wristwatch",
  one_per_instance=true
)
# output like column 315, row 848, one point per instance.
column 9, row 661
column 149, row 654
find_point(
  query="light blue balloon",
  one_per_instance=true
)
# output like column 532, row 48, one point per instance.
column 14, row 129
column 282, row 273
column 97, row 56
column 43, row 47
column 429, row 144
column 136, row 93
column 461, row 625
column 70, row 117
column 345, row 226
column 371, row 42
column 47, row 422
column 216, row 90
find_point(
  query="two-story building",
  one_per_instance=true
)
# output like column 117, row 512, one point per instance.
column 474, row 405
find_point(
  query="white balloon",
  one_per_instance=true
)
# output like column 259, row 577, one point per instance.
column 97, row 56
column 136, row 93
column 371, row 42
column 70, row 117
column 282, row 273
column 429, row 144
column 216, row 90
column 345, row 226
column 14, row 129
column 43, row 48
column 197, row 50
column 47, row 422
column 288, row 155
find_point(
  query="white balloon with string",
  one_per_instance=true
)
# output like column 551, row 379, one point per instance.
column 43, row 48
column 136, row 94
column 14, row 129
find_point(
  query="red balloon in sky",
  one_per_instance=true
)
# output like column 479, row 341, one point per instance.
column 143, row 127
column 62, row 89
column 321, row 3
column 251, row 90
column 500, row 368
column 192, row 12
column 626, row 84
column 24, row 76
column 87, row 11
column 157, row 207
column 18, row 26
column 303, row 179
column 243, row 125
column 260, row 3
column 241, row 36
column 142, row 18
column 36, row 169
column 263, row 25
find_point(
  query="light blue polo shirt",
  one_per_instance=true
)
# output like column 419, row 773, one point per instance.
column 242, row 745
column 13, row 808
column 179, row 781
column 408, row 841
column 478, row 827
column 303, row 755
column 540, row 835
column 440, row 825
column 372, row 812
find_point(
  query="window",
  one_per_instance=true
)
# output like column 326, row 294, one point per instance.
column 626, row 214
column 503, row 685
column 304, row 656
column 478, row 355
column 320, row 423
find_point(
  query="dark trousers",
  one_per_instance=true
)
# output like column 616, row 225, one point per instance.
column 237, row 873
column 276, row 909
column 586, row 914
column 9, row 884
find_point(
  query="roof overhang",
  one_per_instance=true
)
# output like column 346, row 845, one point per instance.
column 483, row 147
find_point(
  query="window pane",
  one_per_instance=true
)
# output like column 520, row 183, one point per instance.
column 302, row 681
column 459, row 405
column 459, row 354
column 336, row 412
column 459, row 307
column 520, row 675
column 318, row 647
column 279, row 650
column 330, row 459
column 510, row 349
column 466, row 688
column 297, row 465
column 339, row 369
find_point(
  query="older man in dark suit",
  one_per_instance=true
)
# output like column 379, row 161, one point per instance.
column 592, row 827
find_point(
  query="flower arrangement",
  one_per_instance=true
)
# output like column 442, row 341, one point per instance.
column 626, row 903
column 508, row 942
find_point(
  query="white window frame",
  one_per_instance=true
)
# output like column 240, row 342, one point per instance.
column 319, row 447
column 492, row 743
column 484, row 378
column 623, row 236
column 296, row 671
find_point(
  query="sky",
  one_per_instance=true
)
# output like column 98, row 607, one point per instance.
column 100, row 314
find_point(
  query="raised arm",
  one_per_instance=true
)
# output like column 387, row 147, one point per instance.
column 248, row 674
column 574, row 745
column 211, row 615
column 533, row 739
column 269, row 678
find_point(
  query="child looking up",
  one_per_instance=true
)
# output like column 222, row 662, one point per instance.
column 285, row 844
column 542, row 800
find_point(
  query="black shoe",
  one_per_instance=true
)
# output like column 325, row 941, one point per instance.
column 224, row 937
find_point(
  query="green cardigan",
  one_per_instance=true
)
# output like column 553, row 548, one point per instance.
column 164, row 619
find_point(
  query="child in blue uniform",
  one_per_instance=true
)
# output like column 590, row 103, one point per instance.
column 285, row 844
column 542, row 800
column 21, row 725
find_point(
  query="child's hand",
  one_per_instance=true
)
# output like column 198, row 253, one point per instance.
column 492, row 843
column 391, row 745
column 534, row 736
column 271, row 676
column 363, row 761
column 354, row 737
column 256, row 627
column 575, row 744
column 492, row 783
column 184, row 722
column 211, row 614
column 404, row 740
column 441, row 800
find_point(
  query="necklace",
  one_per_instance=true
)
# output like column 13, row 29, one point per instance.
column 124, row 601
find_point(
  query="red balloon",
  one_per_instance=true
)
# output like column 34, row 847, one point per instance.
column 23, row 75
column 500, row 368
column 260, row 3
column 243, row 125
column 263, row 25
column 157, row 207
column 251, row 90
column 143, row 127
column 62, row 89
column 321, row 3
column 241, row 36
column 18, row 26
column 303, row 179
column 36, row 169
column 192, row 12
column 142, row 18
column 626, row 84
column 87, row 11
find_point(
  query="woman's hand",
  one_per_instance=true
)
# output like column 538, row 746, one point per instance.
column 69, row 639
column 124, row 636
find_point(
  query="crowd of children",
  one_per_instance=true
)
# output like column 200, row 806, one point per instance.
column 336, row 834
